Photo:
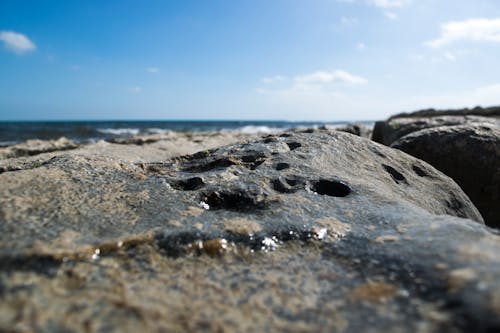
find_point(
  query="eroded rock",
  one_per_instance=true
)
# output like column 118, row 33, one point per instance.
column 361, row 243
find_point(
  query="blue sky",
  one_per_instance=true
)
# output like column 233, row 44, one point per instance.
column 255, row 59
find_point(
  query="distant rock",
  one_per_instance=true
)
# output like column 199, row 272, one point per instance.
column 386, row 132
column 35, row 147
column 470, row 154
column 357, row 129
column 321, row 231
column 493, row 111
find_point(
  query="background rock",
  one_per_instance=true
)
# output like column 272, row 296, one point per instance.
column 299, row 232
column 470, row 154
column 386, row 132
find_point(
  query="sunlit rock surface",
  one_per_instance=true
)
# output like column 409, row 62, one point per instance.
column 320, row 231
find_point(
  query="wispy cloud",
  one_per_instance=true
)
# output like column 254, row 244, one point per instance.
column 135, row 89
column 391, row 15
column 361, row 46
column 152, row 70
column 318, row 82
column 324, row 77
column 390, row 3
column 478, row 30
column 17, row 42
column 273, row 79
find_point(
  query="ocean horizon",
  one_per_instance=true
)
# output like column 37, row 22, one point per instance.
column 12, row 132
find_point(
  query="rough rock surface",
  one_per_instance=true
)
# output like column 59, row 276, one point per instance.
column 299, row 232
column 470, row 154
column 133, row 149
column 386, row 132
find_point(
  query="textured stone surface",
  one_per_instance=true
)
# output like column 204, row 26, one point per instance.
column 386, row 132
column 470, row 154
column 300, row 232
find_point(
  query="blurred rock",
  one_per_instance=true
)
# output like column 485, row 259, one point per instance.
column 470, row 154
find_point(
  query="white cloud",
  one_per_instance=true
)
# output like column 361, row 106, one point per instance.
column 361, row 46
column 152, row 70
column 346, row 21
column 273, row 79
column 324, row 77
column 135, row 89
column 390, row 3
column 478, row 30
column 449, row 56
column 17, row 42
column 391, row 15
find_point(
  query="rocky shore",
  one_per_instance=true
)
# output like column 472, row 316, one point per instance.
column 318, row 230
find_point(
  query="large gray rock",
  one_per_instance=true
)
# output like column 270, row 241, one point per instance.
column 386, row 132
column 470, row 154
column 300, row 232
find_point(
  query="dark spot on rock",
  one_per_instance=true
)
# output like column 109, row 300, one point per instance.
column 236, row 200
column 199, row 155
column 334, row 188
column 41, row 264
column 189, row 184
column 396, row 175
column 270, row 139
column 288, row 185
column 454, row 204
column 420, row 172
column 378, row 152
column 282, row 166
column 294, row 145
column 174, row 244
column 308, row 130
column 285, row 135
column 214, row 164
column 252, row 161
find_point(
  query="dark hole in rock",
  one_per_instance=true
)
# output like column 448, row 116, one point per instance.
column 282, row 166
column 288, row 185
column 285, row 135
column 420, row 172
column 396, row 175
column 253, row 160
column 215, row 164
column 189, row 184
column 238, row 200
column 334, row 188
column 294, row 145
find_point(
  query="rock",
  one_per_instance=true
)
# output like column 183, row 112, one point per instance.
column 35, row 147
column 470, row 154
column 493, row 111
column 135, row 149
column 386, row 132
column 350, row 236
column 357, row 129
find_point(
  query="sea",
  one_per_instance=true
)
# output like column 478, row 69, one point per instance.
column 12, row 132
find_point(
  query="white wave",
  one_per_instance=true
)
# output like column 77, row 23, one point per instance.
column 157, row 131
column 119, row 131
column 251, row 129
